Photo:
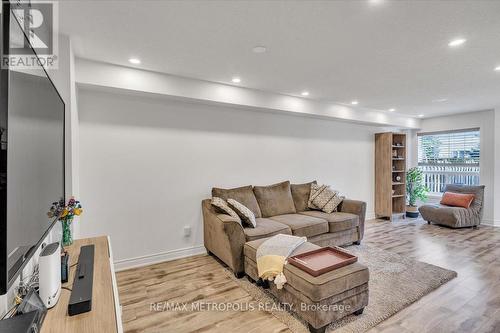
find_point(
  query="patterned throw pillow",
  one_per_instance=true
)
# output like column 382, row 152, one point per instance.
column 222, row 205
column 314, row 189
column 327, row 199
column 246, row 214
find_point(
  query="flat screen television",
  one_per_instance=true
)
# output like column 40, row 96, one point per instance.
column 31, row 155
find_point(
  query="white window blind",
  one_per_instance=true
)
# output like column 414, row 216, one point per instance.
column 455, row 147
column 450, row 157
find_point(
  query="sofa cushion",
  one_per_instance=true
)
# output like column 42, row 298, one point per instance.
column 266, row 228
column 300, row 195
column 243, row 212
column 337, row 221
column 243, row 195
column 303, row 225
column 275, row 199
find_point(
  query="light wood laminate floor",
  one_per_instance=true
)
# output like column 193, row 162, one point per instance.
column 469, row 303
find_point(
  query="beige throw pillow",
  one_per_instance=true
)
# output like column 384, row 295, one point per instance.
column 315, row 190
column 222, row 205
column 246, row 214
column 327, row 200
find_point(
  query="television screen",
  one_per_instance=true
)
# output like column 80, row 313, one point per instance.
column 32, row 142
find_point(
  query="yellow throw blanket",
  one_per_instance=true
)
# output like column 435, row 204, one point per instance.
column 272, row 254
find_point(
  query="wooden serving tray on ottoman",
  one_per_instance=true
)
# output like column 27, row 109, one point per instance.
column 322, row 260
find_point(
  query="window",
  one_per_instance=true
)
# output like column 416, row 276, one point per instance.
column 450, row 157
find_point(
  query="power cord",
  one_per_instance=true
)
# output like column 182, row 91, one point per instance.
column 11, row 311
column 22, row 290
column 33, row 283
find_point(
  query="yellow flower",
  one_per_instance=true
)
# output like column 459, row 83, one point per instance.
column 78, row 211
column 64, row 213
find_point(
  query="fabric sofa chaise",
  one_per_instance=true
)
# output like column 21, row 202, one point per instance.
column 279, row 208
column 456, row 217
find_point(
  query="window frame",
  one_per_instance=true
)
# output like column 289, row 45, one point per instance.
column 424, row 164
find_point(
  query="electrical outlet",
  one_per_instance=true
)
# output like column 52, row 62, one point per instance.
column 187, row 231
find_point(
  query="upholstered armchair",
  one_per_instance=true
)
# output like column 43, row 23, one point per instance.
column 457, row 217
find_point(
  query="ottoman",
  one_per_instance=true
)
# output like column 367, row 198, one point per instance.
column 318, row 300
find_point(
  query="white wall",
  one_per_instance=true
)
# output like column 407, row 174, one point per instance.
column 485, row 120
column 497, row 165
column 146, row 164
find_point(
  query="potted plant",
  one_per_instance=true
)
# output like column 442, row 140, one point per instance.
column 415, row 190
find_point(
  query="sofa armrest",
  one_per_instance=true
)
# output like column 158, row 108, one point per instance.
column 227, row 219
column 223, row 236
column 358, row 208
column 233, row 228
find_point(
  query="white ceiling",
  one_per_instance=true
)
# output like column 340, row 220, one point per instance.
column 389, row 54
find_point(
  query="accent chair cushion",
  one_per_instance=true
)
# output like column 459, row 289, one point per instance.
column 300, row 195
column 266, row 228
column 243, row 212
column 337, row 221
column 243, row 195
column 457, row 199
column 478, row 191
column 446, row 215
column 223, row 206
column 275, row 199
column 303, row 225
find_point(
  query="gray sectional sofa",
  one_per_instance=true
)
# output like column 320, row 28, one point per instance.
column 279, row 209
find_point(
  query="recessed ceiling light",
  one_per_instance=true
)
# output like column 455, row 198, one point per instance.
column 420, row 115
column 259, row 49
column 497, row 68
column 305, row 93
column 457, row 42
column 440, row 100
column 236, row 80
column 375, row 2
column 134, row 61
column 392, row 110
column 354, row 102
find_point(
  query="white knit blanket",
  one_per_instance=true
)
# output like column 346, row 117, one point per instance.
column 271, row 256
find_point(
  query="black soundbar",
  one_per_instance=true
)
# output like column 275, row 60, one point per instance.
column 80, row 300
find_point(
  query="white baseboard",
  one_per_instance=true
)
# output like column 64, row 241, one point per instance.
column 492, row 223
column 150, row 259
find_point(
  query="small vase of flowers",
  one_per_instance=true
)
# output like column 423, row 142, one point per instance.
column 66, row 213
